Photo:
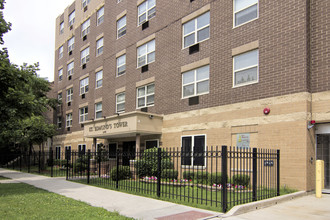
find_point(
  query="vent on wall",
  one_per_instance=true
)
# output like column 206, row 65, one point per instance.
column 194, row 49
column 145, row 68
column 145, row 25
column 194, row 100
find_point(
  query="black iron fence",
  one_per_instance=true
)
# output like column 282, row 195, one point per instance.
column 218, row 177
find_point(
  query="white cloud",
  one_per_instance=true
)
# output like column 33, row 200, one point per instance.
column 32, row 38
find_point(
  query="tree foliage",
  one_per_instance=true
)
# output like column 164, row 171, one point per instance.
column 23, row 99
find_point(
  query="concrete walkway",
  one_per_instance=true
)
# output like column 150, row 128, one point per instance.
column 304, row 207
column 128, row 205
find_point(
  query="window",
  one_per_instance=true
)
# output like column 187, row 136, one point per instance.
column 81, row 149
column 60, row 52
column 100, row 16
column 60, row 74
column 71, row 44
column 245, row 11
column 70, row 68
column 59, row 97
column 152, row 144
column 146, row 53
column 98, row 110
column 145, row 95
column 84, row 55
column 85, row 3
column 146, row 11
column 121, row 65
column 99, row 47
column 119, row 1
column 85, row 28
column 99, row 79
column 121, row 27
column 196, row 30
column 62, row 27
column 83, row 114
column 120, row 102
column 246, row 68
column 69, row 120
column 193, row 150
column 112, row 150
column 84, row 86
column 195, row 82
column 69, row 94
column 72, row 16
column 59, row 122
column 58, row 152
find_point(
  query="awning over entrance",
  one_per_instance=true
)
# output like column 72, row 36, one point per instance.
column 124, row 125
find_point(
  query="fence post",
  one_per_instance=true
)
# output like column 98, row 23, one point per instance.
column 99, row 160
column 51, row 161
column 67, row 163
column 278, row 172
column 224, row 158
column 159, row 162
column 254, row 174
column 20, row 162
column 117, row 168
column 88, row 165
column 39, row 162
column 29, row 159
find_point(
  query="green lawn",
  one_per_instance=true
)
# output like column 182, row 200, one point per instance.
column 22, row 201
column 3, row 178
column 195, row 196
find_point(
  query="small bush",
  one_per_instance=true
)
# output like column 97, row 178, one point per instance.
column 241, row 179
column 201, row 177
column 170, row 174
column 123, row 173
column 81, row 164
column 215, row 178
column 188, row 175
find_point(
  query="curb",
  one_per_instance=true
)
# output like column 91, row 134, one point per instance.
column 240, row 209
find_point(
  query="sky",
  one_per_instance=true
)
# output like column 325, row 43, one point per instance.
column 32, row 38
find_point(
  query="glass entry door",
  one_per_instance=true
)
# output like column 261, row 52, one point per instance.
column 323, row 153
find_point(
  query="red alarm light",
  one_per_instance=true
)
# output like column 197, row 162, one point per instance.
column 266, row 111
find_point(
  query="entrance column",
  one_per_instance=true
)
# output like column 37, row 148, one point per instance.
column 94, row 143
column 137, row 144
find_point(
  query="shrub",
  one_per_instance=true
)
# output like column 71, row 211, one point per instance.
column 201, row 177
column 169, row 174
column 81, row 164
column 123, row 173
column 241, row 179
column 148, row 164
column 215, row 178
column 188, row 175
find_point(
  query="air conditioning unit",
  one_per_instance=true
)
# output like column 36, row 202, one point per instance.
column 71, row 27
column 194, row 49
column 84, row 66
column 68, row 129
column 85, row 8
column 145, row 68
column 69, row 103
column 144, row 109
column 145, row 25
column 83, row 96
column 70, row 52
column 70, row 77
column 84, row 37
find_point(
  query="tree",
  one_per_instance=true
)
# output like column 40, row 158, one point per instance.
column 23, row 99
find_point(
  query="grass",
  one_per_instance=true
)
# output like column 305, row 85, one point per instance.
column 186, row 195
column 3, row 178
column 22, row 201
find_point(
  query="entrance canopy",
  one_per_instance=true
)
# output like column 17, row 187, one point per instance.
column 124, row 125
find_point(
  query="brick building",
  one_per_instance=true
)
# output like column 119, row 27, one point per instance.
column 134, row 74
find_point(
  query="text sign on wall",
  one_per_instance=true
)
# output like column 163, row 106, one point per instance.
column 110, row 126
column 243, row 141
column 268, row 163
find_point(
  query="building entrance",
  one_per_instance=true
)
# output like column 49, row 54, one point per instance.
column 323, row 153
column 128, row 152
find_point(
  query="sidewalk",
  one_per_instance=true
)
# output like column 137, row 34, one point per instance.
column 305, row 207
column 128, row 205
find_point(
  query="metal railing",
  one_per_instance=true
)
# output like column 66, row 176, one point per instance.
column 218, row 177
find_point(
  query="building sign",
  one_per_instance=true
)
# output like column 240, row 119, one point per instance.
column 243, row 141
column 110, row 126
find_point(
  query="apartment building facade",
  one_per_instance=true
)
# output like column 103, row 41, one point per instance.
column 134, row 74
